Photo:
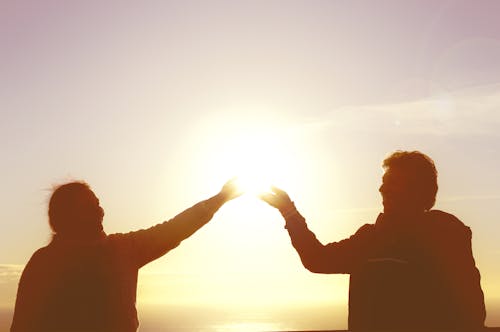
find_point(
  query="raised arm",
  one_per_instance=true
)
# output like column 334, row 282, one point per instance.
column 335, row 257
column 149, row 244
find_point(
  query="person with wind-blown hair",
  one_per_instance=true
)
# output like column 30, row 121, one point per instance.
column 85, row 279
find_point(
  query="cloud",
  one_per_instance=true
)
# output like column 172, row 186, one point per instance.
column 10, row 272
column 472, row 112
column 469, row 198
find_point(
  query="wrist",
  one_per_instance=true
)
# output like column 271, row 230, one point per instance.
column 212, row 204
column 288, row 210
column 220, row 198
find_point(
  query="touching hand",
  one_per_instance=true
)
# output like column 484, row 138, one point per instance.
column 230, row 190
column 277, row 198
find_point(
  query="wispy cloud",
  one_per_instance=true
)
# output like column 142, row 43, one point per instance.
column 468, row 198
column 10, row 272
column 472, row 111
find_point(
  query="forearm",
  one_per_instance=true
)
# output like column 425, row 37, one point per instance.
column 335, row 257
column 295, row 223
column 310, row 250
column 151, row 243
column 190, row 220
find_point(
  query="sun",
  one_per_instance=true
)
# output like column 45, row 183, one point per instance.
column 256, row 164
column 258, row 153
column 258, row 160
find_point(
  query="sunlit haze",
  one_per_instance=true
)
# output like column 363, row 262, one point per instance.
column 157, row 104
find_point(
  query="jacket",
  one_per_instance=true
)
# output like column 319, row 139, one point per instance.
column 91, row 285
column 412, row 274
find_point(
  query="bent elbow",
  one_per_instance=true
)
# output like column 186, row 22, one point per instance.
column 315, row 265
column 320, row 263
column 314, row 269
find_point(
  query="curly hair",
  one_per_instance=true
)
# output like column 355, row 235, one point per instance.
column 420, row 171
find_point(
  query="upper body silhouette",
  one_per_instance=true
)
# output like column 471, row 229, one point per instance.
column 413, row 269
column 86, row 280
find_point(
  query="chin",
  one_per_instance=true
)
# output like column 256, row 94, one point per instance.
column 387, row 207
column 390, row 209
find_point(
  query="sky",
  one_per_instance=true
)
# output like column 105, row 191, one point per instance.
column 157, row 103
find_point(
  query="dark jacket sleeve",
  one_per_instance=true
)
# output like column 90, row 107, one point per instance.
column 458, row 267
column 335, row 257
column 468, row 286
column 149, row 244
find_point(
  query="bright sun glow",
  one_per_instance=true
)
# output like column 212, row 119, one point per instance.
column 257, row 164
column 259, row 160
column 253, row 184
column 258, row 153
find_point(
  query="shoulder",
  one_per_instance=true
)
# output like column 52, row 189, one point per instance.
column 446, row 222
column 364, row 230
column 40, row 254
column 444, row 218
column 119, row 241
column 125, row 241
column 37, row 263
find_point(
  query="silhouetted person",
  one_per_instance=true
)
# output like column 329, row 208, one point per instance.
column 85, row 280
column 411, row 270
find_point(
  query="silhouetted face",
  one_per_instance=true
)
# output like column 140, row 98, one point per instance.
column 75, row 211
column 89, row 209
column 398, row 193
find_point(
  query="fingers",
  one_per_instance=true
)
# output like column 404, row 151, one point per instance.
column 268, row 198
column 230, row 190
column 231, row 182
column 278, row 191
column 281, row 194
column 276, row 197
